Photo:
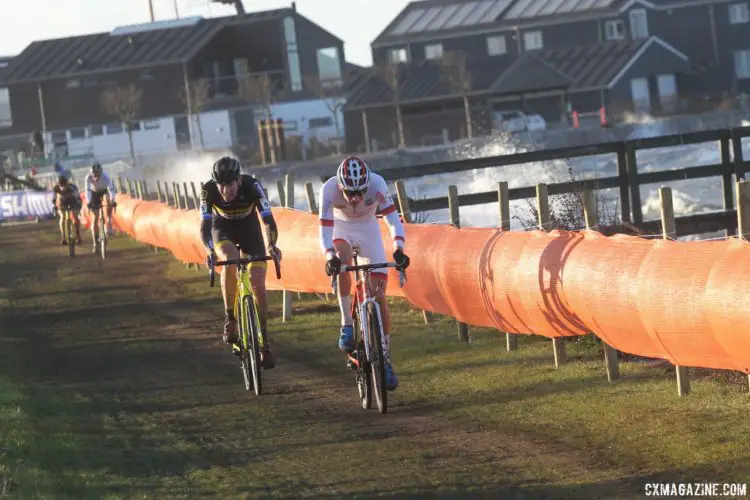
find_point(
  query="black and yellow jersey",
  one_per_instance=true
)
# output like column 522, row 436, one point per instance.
column 251, row 196
column 67, row 192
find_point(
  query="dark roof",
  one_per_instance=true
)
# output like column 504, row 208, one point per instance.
column 426, row 18
column 589, row 67
column 426, row 80
column 125, row 47
column 598, row 66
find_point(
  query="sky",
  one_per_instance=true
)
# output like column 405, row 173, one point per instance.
column 357, row 22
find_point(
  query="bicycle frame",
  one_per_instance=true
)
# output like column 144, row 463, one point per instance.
column 365, row 296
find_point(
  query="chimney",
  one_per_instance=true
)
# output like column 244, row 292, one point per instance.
column 294, row 6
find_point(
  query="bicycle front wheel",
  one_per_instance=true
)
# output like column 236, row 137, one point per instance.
column 252, row 343
column 69, row 236
column 377, row 358
column 102, row 235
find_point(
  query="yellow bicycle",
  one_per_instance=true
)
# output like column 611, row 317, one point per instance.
column 68, row 232
column 251, row 339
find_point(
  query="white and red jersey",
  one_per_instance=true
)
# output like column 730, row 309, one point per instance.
column 339, row 214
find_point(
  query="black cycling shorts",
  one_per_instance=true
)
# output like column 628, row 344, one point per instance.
column 246, row 232
column 96, row 198
column 74, row 204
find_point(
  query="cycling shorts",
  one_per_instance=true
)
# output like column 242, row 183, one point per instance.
column 96, row 198
column 246, row 232
column 71, row 204
column 367, row 236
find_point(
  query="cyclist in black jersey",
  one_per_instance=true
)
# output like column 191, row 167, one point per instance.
column 229, row 202
column 67, row 196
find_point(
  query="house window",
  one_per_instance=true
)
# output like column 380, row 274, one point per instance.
column 73, row 84
column 398, row 56
column 433, row 51
column 290, row 36
column 146, row 75
column 533, row 40
column 90, row 81
column 6, row 120
column 325, row 121
column 638, row 24
column 614, row 30
column 96, row 130
column 329, row 67
column 151, row 125
column 738, row 13
column 77, row 133
column 496, row 45
column 742, row 64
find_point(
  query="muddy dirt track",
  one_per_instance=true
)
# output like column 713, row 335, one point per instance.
column 129, row 393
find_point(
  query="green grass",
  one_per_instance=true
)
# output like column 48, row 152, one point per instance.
column 113, row 384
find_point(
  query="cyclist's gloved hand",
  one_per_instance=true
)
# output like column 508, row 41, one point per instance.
column 90, row 206
column 114, row 205
column 211, row 259
column 333, row 265
column 402, row 260
column 274, row 252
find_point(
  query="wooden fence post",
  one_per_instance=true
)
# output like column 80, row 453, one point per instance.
column 726, row 177
column 177, row 195
column 544, row 221
column 187, row 199
column 669, row 232
column 503, row 202
column 463, row 328
column 591, row 214
column 289, row 203
column 160, row 194
column 120, row 188
column 196, row 199
column 403, row 205
column 129, row 187
column 282, row 196
column 742, row 193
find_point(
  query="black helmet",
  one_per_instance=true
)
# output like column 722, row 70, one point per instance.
column 96, row 168
column 62, row 180
column 226, row 170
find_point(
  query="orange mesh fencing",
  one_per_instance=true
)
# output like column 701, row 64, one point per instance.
column 688, row 303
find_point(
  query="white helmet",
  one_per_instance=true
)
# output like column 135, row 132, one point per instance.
column 353, row 174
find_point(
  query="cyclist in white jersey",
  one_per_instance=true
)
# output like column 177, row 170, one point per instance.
column 98, row 185
column 348, row 205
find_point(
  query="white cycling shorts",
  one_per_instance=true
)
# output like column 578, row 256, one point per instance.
column 367, row 236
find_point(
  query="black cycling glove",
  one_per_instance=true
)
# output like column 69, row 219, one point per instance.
column 333, row 266
column 402, row 260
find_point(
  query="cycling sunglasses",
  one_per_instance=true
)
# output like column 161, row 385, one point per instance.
column 357, row 192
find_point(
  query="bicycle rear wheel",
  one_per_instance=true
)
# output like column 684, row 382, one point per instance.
column 377, row 358
column 252, row 344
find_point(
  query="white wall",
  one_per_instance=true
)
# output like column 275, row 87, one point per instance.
column 157, row 136
column 296, row 116
column 217, row 131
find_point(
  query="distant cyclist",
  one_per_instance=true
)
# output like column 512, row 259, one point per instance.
column 99, row 185
column 229, row 203
column 348, row 205
column 67, row 197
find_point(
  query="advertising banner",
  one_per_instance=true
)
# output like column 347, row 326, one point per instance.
column 20, row 205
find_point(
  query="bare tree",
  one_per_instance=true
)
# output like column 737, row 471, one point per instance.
column 457, row 75
column 124, row 103
column 389, row 72
column 260, row 89
column 330, row 93
column 195, row 100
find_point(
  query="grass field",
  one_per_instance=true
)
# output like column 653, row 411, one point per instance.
column 114, row 384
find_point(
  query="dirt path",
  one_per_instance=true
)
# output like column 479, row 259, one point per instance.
column 127, row 386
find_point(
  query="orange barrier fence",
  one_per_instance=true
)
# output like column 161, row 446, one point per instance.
column 687, row 302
